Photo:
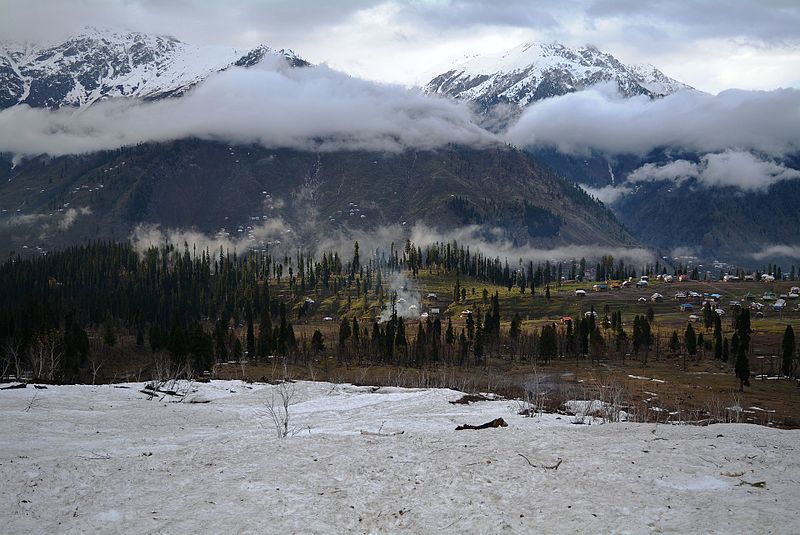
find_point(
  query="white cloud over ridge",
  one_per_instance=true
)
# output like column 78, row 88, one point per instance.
column 321, row 109
column 379, row 239
column 773, row 251
column 599, row 119
column 308, row 108
column 742, row 170
column 606, row 194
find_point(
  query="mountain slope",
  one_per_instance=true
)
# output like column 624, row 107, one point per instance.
column 211, row 186
column 535, row 71
column 720, row 221
column 99, row 64
column 714, row 221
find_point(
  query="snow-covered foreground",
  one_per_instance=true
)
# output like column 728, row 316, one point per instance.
column 106, row 459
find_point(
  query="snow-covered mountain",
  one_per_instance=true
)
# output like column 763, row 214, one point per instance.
column 101, row 63
column 535, row 71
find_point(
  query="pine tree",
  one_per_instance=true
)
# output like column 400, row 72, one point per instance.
column 478, row 340
column 250, row 336
column 515, row 329
column 463, row 348
column 690, row 340
column 291, row 340
column 356, row 264
column 265, row 334
column 109, row 331
column 237, row 350
column 674, row 342
column 317, row 342
column 400, row 337
column 742, row 366
column 449, row 337
column 344, row 332
column 788, row 351
column 548, row 342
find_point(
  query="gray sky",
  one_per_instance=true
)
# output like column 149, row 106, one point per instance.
column 707, row 44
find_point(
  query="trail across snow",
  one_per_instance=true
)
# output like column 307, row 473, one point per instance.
column 105, row 459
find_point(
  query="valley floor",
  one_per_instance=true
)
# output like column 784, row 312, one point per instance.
column 106, row 459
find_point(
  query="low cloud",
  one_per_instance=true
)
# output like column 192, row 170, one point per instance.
column 777, row 251
column 606, row 194
column 730, row 168
column 272, row 232
column 684, row 252
column 71, row 215
column 380, row 239
column 474, row 237
column 599, row 119
column 61, row 220
column 489, row 241
column 309, row 108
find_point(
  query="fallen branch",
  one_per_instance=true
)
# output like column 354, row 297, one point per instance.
column 379, row 434
column 466, row 399
column 732, row 474
column 497, row 422
column 555, row 466
column 98, row 456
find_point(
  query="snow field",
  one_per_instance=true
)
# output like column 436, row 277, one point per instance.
column 105, row 459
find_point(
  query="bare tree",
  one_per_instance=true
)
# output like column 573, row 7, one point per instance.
column 11, row 359
column 281, row 397
column 96, row 361
column 45, row 356
column 278, row 407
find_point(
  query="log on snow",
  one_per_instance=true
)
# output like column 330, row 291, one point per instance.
column 497, row 422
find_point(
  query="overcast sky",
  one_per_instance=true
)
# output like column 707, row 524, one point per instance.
column 708, row 44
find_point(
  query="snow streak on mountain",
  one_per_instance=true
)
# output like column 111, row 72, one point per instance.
column 98, row 64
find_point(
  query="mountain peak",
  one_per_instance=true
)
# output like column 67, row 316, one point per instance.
column 534, row 71
column 98, row 63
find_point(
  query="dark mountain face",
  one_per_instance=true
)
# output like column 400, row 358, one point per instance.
column 725, row 222
column 210, row 186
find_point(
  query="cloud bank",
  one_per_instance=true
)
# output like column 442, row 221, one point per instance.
column 309, row 108
column 599, row 119
column 272, row 232
column 474, row 237
column 730, row 168
column 283, row 239
column 780, row 251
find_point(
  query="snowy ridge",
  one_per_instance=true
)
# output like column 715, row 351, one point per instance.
column 535, row 71
column 656, row 81
column 102, row 63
